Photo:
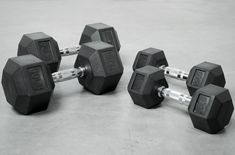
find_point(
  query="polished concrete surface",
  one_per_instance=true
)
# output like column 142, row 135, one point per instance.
column 78, row 122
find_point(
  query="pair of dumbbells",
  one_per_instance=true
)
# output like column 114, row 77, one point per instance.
column 210, row 107
column 46, row 48
column 27, row 80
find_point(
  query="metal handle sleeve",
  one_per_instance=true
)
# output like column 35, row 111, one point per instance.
column 168, row 93
column 175, row 73
column 69, row 51
column 68, row 74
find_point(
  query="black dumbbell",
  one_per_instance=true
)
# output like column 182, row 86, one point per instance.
column 210, row 108
column 28, row 83
column 46, row 48
column 199, row 76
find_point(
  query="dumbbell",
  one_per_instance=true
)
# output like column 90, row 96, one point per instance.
column 28, row 83
column 210, row 108
column 46, row 48
column 199, row 76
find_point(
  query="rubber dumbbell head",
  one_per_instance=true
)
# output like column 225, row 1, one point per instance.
column 100, row 32
column 142, row 86
column 103, row 64
column 27, row 84
column 150, row 56
column 42, row 46
column 211, row 108
column 203, row 74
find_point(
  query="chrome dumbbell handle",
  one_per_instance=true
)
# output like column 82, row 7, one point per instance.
column 69, row 51
column 168, row 93
column 68, row 74
column 175, row 73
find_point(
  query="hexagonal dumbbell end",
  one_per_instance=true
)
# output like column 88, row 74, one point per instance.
column 103, row 65
column 27, row 84
column 150, row 56
column 203, row 74
column 42, row 46
column 211, row 108
column 143, row 86
column 100, row 32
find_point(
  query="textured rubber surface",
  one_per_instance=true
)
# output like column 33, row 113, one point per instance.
column 211, row 108
column 104, row 66
column 100, row 32
column 27, row 84
column 203, row 74
column 42, row 46
column 143, row 86
column 150, row 56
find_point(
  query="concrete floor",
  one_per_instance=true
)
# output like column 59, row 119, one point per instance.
column 78, row 122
